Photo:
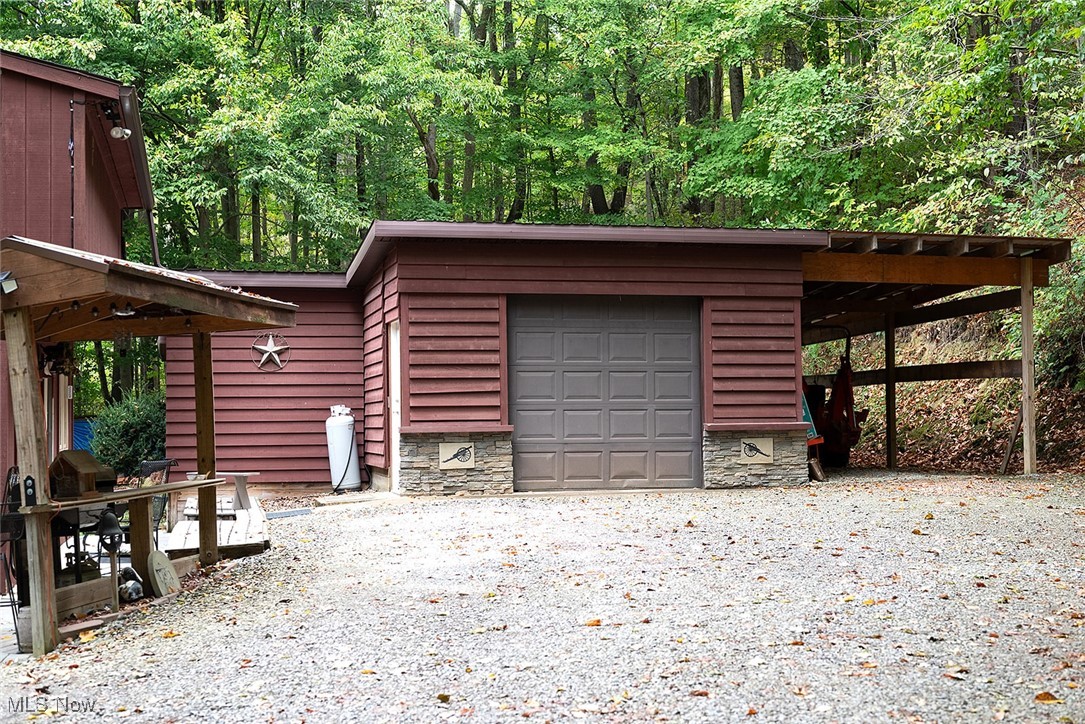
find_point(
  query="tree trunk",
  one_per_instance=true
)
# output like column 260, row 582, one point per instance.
column 99, row 363
column 292, row 234
column 519, row 184
column 359, row 175
column 794, row 58
column 596, row 194
column 257, row 228
column 427, row 136
column 737, row 87
column 468, row 173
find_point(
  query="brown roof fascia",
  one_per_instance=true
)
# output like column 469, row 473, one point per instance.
column 59, row 74
column 130, row 113
column 383, row 234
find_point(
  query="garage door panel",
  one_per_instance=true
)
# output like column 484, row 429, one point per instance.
column 628, row 386
column 675, row 386
column 629, row 424
column 536, row 466
column 582, row 347
column 618, row 406
column 534, row 386
column 676, row 465
column 582, row 386
column 628, row 347
column 629, row 466
column 675, row 348
column 674, row 424
column 538, row 426
column 584, row 467
column 534, row 346
column 580, row 425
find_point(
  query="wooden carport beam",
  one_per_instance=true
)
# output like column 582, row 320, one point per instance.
column 893, row 269
column 30, row 447
column 860, row 324
column 990, row 369
column 1028, row 368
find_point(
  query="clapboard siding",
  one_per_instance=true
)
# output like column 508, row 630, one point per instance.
column 273, row 422
column 455, row 291
column 455, row 358
column 380, row 306
column 751, row 345
column 38, row 198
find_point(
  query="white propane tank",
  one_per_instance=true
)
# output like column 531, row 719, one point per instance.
column 342, row 450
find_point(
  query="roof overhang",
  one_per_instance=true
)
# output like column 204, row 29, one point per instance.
column 383, row 235
column 76, row 295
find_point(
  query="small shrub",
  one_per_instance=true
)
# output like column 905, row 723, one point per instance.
column 130, row 431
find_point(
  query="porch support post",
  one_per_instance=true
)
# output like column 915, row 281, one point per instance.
column 205, row 445
column 890, row 391
column 1028, row 369
column 30, row 447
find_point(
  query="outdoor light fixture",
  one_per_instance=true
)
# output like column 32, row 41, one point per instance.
column 110, row 536
column 128, row 310
column 119, row 132
column 7, row 283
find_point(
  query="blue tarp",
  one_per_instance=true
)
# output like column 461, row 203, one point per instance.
column 82, row 434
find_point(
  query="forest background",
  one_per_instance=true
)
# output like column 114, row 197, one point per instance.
column 278, row 129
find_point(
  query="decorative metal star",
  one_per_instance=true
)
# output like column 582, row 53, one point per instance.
column 270, row 351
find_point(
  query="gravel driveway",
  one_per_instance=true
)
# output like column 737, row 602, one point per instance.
column 858, row 600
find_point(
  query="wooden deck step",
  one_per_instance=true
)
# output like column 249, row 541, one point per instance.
column 243, row 533
column 224, row 506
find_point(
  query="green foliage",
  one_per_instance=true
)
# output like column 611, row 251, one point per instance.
column 130, row 431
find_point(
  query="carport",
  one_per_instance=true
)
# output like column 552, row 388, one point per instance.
column 865, row 283
column 65, row 295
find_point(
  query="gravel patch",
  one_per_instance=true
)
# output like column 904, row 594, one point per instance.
column 860, row 599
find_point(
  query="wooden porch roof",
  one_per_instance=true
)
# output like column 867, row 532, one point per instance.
column 860, row 277
column 77, row 295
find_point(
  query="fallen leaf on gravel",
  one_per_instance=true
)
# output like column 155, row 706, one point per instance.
column 751, row 712
column 593, row 622
column 690, row 524
column 917, row 531
column 443, row 698
column 85, row 636
column 869, row 665
column 800, row 690
column 928, row 516
column 170, row 634
column 698, row 692
column 798, row 643
column 368, row 671
column 1046, row 697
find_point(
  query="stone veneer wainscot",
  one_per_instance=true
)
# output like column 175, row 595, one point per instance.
column 421, row 474
column 722, row 468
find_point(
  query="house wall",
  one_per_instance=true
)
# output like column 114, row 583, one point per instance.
column 273, row 422
column 37, row 189
column 453, row 299
column 380, row 307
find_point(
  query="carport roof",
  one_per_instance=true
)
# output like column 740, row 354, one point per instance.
column 849, row 286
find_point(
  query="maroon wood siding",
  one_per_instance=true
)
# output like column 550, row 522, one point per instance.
column 381, row 306
column 454, row 294
column 750, row 347
column 455, row 361
column 36, row 175
column 273, row 422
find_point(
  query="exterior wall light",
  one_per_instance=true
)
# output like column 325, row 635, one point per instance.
column 7, row 283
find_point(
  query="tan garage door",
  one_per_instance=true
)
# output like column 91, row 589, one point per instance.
column 605, row 392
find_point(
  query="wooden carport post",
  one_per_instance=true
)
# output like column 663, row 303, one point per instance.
column 890, row 391
column 205, row 445
column 1028, row 369
column 30, row 447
